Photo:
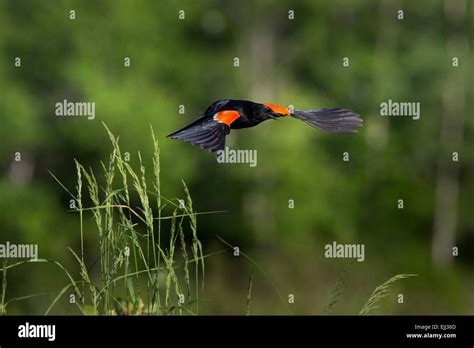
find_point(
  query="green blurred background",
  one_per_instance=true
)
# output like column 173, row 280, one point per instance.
column 284, row 61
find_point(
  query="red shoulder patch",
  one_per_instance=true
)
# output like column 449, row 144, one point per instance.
column 278, row 109
column 226, row 116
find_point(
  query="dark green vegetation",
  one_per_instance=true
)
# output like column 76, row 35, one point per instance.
column 190, row 62
column 140, row 272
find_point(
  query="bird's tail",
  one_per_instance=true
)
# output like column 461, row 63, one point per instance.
column 330, row 120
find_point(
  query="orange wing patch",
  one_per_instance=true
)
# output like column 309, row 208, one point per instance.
column 278, row 109
column 227, row 117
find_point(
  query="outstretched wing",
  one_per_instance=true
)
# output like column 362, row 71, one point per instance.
column 208, row 132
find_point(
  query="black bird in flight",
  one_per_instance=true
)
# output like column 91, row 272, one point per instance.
column 210, row 130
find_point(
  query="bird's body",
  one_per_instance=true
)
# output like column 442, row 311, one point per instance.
column 220, row 117
column 250, row 113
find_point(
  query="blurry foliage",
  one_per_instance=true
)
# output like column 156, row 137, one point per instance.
column 190, row 62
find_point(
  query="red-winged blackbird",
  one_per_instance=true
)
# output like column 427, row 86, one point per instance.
column 220, row 117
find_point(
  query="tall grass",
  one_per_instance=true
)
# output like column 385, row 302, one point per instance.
column 381, row 292
column 4, row 287
column 138, row 273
